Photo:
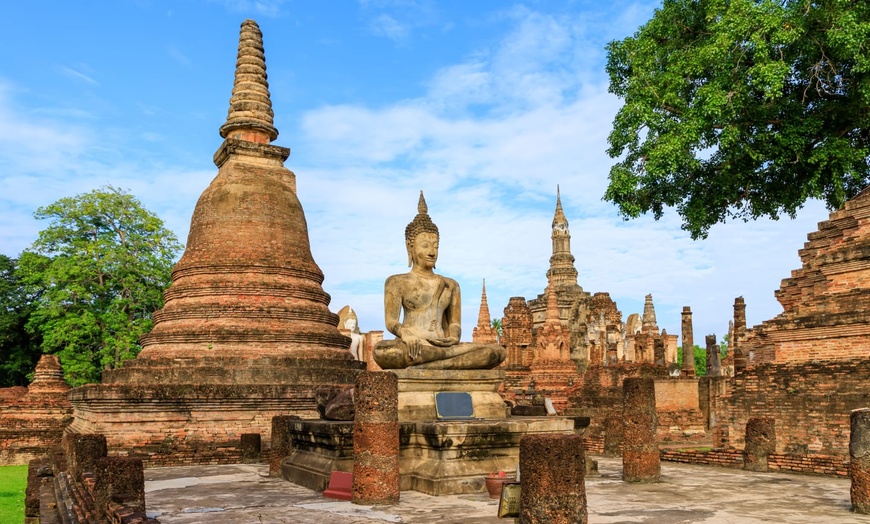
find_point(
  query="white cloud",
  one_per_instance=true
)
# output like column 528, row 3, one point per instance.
column 77, row 75
column 488, row 143
column 386, row 25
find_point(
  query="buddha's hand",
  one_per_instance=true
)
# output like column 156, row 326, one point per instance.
column 415, row 346
column 444, row 341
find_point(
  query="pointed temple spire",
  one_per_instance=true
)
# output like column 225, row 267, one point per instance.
column 562, row 271
column 250, row 114
column 559, row 217
column 649, row 316
column 484, row 333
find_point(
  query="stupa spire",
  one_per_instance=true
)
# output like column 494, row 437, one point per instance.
column 559, row 216
column 483, row 314
column 250, row 115
column 649, row 316
column 483, row 332
column 562, row 271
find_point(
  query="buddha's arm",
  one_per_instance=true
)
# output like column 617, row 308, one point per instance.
column 392, row 308
column 453, row 318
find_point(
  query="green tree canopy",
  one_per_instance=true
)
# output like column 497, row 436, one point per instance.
column 741, row 109
column 19, row 350
column 99, row 270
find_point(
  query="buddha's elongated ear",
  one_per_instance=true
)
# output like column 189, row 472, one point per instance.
column 409, row 244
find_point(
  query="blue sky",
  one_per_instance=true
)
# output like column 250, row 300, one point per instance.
column 484, row 105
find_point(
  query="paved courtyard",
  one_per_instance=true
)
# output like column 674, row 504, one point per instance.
column 244, row 494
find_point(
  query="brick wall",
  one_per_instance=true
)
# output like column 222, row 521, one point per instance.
column 809, row 401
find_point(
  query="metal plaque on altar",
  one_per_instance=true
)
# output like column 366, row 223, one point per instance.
column 453, row 405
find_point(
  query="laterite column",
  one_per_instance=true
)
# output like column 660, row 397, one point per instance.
column 640, row 449
column 760, row 442
column 859, row 455
column 376, row 439
column 552, row 470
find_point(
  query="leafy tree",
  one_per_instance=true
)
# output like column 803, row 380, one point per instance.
column 700, row 356
column 496, row 325
column 99, row 269
column 19, row 351
column 741, row 109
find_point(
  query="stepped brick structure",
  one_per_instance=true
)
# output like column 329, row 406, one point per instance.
column 483, row 332
column 35, row 421
column 826, row 303
column 245, row 333
column 551, row 368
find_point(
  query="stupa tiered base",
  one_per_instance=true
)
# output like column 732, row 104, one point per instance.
column 168, row 412
column 437, row 457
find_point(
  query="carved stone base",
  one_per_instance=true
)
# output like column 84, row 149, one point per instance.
column 437, row 458
column 417, row 388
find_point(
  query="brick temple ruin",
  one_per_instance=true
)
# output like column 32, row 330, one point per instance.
column 246, row 336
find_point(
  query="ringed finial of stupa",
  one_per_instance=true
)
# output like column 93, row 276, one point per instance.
column 250, row 115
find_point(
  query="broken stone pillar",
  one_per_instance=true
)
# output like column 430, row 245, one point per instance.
column 282, row 444
column 83, row 452
column 760, row 442
column 640, row 450
column 250, row 445
column 376, row 439
column 740, row 360
column 688, row 343
column 552, row 469
column 119, row 480
column 859, row 455
column 659, row 351
column 714, row 360
column 613, row 431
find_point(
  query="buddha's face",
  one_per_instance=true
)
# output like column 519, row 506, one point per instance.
column 424, row 250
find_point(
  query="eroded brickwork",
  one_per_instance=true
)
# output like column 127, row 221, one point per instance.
column 35, row 421
column 245, row 333
column 826, row 303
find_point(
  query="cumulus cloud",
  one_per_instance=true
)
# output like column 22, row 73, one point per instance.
column 488, row 142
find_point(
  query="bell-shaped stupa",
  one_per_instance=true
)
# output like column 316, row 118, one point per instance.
column 245, row 333
column 247, row 284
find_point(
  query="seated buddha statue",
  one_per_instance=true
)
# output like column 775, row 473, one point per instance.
column 427, row 335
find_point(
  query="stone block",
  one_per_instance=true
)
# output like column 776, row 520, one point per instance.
column 760, row 442
column 119, row 480
column 282, row 443
column 859, row 455
column 250, row 445
column 552, row 472
column 614, row 429
column 85, row 450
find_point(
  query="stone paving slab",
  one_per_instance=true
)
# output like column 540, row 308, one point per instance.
column 243, row 494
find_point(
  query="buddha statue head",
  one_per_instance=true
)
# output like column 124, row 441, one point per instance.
column 421, row 225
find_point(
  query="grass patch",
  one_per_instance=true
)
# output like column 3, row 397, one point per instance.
column 13, row 481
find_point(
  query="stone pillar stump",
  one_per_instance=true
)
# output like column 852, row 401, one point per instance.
column 613, row 432
column 282, row 444
column 760, row 442
column 552, row 471
column 83, row 452
column 859, row 464
column 640, row 450
column 376, row 439
column 120, row 480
